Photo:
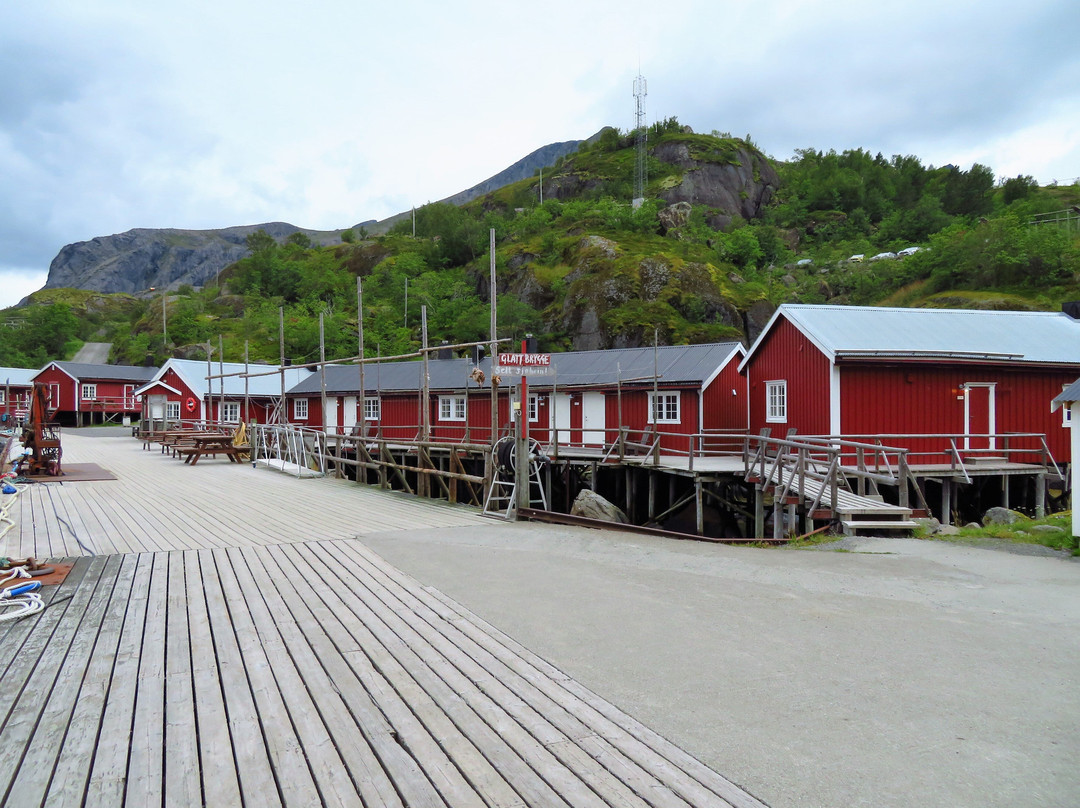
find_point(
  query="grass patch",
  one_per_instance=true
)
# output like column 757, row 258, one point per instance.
column 1022, row 532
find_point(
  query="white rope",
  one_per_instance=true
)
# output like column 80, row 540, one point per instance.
column 24, row 598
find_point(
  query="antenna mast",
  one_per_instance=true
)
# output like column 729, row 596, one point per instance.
column 641, row 178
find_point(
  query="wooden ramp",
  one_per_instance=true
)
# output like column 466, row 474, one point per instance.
column 300, row 675
column 855, row 512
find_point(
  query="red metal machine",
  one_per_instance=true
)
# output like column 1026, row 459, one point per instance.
column 40, row 439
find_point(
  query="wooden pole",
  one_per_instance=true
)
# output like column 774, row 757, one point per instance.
column 283, row 416
column 209, row 382
column 521, row 479
column 322, row 376
column 360, row 336
column 247, row 391
column 489, row 460
column 221, row 381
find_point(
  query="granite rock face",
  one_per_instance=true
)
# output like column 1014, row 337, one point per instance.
column 134, row 261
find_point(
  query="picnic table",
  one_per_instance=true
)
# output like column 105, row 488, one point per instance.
column 211, row 444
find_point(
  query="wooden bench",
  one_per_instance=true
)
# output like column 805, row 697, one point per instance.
column 191, row 454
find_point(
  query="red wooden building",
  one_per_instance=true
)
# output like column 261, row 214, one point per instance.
column 181, row 390
column 84, row 393
column 15, row 387
column 863, row 371
column 689, row 389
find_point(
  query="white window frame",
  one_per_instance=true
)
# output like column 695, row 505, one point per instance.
column 230, row 408
column 776, row 401
column 172, row 410
column 3, row 399
column 534, row 407
column 452, row 408
column 372, row 409
column 1066, row 410
column 300, row 409
column 665, row 408
column 88, row 391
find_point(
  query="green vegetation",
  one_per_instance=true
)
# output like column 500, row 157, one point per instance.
column 586, row 260
column 1025, row 531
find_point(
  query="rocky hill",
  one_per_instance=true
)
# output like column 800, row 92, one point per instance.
column 134, row 261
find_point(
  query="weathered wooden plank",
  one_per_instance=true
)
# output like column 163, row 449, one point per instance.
column 516, row 756
column 536, row 729
column 57, row 703
column 340, row 759
column 293, row 777
column 72, row 773
column 108, row 777
column 408, row 770
column 612, row 776
column 32, row 681
column 391, row 685
column 183, row 784
column 145, row 778
column 224, row 662
column 648, row 748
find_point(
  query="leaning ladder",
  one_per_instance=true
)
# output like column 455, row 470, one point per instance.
column 501, row 499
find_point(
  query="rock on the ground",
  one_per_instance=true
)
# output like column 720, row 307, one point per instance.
column 1046, row 529
column 590, row 504
column 1002, row 516
column 929, row 524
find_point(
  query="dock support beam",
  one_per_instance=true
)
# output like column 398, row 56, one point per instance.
column 700, row 514
column 1040, row 496
column 946, row 501
column 759, row 512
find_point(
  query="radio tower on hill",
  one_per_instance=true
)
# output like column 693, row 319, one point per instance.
column 641, row 135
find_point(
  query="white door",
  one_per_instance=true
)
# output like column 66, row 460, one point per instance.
column 561, row 414
column 330, row 416
column 592, row 419
column 350, row 414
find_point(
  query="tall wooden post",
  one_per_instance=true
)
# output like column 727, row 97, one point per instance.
column 521, row 478
column 283, row 416
column 489, row 460
column 360, row 336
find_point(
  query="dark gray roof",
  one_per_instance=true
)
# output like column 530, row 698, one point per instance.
column 676, row 365
column 124, row 373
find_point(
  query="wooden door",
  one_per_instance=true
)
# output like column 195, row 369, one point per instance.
column 979, row 416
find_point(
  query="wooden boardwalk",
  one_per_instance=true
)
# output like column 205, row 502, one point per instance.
column 252, row 664
column 159, row 503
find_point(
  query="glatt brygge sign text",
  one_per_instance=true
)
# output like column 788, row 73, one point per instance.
column 524, row 364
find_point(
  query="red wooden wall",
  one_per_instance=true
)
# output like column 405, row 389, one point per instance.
column 786, row 354
column 922, row 398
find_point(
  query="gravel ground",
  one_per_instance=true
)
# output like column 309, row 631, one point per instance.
column 900, row 673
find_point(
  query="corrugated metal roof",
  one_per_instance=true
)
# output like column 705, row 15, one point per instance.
column 1068, row 395
column 123, row 373
column 194, row 373
column 676, row 364
column 24, row 377
column 1013, row 336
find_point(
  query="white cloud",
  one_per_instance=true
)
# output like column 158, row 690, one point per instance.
column 120, row 114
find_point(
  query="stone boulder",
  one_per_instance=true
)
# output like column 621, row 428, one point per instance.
column 593, row 506
column 1002, row 516
column 674, row 216
column 929, row 524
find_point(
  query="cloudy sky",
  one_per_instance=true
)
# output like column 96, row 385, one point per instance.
column 117, row 114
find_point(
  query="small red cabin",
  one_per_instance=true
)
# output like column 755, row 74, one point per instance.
column 190, row 390
column 958, row 378
column 86, row 394
column 15, row 387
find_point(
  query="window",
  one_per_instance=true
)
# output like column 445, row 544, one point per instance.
column 172, row 410
column 230, row 412
column 664, row 408
column 89, row 392
column 3, row 399
column 1066, row 410
column 299, row 409
column 776, row 402
column 534, row 408
column 371, row 409
column 451, row 408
